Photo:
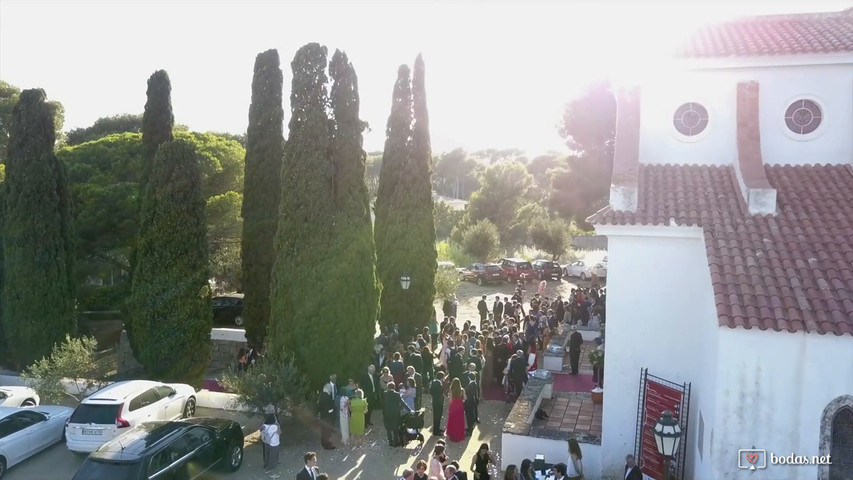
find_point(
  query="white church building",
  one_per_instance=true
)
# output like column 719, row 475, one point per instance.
column 730, row 236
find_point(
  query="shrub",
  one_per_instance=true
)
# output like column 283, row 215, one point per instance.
column 446, row 282
column 74, row 359
column 452, row 252
column 482, row 241
column 271, row 381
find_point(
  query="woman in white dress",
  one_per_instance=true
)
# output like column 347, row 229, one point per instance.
column 344, row 406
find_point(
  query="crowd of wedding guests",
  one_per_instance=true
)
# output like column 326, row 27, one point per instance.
column 451, row 362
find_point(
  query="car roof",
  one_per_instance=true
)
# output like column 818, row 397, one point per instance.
column 229, row 295
column 514, row 259
column 150, row 437
column 119, row 391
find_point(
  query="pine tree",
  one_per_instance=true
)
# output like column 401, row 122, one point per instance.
column 262, row 192
column 170, row 297
column 38, row 286
column 354, row 281
column 405, row 227
column 300, row 287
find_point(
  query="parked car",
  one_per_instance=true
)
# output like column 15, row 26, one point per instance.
column 228, row 309
column 18, row 397
column 107, row 413
column 184, row 450
column 600, row 270
column 482, row 273
column 547, row 269
column 25, row 432
column 577, row 269
column 517, row 269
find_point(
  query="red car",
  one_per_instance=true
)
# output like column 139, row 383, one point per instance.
column 515, row 269
column 482, row 273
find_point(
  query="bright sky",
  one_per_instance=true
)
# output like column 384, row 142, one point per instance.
column 497, row 73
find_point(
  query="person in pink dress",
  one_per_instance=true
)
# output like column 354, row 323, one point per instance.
column 456, row 412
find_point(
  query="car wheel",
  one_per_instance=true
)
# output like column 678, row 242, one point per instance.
column 234, row 457
column 238, row 320
column 189, row 408
column 28, row 403
column 479, row 281
column 583, row 276
column 2, row 466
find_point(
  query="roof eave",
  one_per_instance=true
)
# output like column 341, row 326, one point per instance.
column 740, row 61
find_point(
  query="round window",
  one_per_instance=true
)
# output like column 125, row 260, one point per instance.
column 690, row 119
column 803, row 117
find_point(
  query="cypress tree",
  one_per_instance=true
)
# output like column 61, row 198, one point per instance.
column 157, row 120
column 262, row 192
column 405, row 227
column 157, row 124
column 300, row 287
column 38, row 287
column 170, row 296
column 354, row 280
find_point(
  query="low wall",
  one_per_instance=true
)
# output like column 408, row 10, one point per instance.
column 227, row 343
column 515, row 448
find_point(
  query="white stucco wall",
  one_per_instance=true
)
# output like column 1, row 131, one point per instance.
column 660, row 315
column 773, row 389
column 830, row 85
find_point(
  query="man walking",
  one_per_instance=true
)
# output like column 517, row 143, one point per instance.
column 370, row 386
column 575, row 342
column 326, row 405
column 436, row 390
column 472, row 398
column 392, row 407
column 498, row 308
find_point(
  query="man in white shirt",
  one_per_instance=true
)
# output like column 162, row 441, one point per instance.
column 408, row 474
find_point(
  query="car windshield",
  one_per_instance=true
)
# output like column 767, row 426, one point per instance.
column 524, row 265
column 493, row 268
column 97, row 414
column 103, row 470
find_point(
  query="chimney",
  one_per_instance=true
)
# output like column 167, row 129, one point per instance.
column 626, row 154
column 759, row 195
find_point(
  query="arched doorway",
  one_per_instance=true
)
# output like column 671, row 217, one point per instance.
column 836, row 439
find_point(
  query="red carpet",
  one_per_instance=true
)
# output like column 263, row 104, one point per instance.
column 213, row 385
column 493, row 391
column 563, row 382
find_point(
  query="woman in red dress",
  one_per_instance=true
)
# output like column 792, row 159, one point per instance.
column 456, row 413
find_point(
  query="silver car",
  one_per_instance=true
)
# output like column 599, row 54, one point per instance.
column 26, row 431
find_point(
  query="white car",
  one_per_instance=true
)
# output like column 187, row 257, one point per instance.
column 26, row 431
column 18, row 397
column 600, row 270
column 577, row 269
column 114, row 409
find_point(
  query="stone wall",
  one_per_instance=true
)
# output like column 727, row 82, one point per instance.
column 226, row 344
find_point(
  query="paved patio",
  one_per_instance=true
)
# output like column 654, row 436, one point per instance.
column 571, row 412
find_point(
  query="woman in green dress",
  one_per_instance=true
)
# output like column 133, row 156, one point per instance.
column 358, row 407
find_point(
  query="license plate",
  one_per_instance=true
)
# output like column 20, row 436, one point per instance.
column 92, row 431
column 496, row 274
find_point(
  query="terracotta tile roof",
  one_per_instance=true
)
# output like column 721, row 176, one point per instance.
column 792, row 271
column 791, row 34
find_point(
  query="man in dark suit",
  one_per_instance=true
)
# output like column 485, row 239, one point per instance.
column 632, row 471
column 498, row 309
column 483, row 308
column 326, row 406
column 575, row 342
column 472, row 398
column 392, row 408
column 370, row 386
column 310, row 470
column 518, row 371
column 381, row 360
column 436, row 390
column 455, row 365
column 414, row 359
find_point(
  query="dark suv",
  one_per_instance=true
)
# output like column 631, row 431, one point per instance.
column 482, row 273
column 228, row 309
column 547, row 269
column 181, row 450
column 517, row 269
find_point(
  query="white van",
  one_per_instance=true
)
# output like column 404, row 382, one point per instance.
column 112, row 410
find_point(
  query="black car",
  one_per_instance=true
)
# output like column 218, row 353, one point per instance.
column 547, row 269
column 482, row 273
column 228, row 309
column 180, row 450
